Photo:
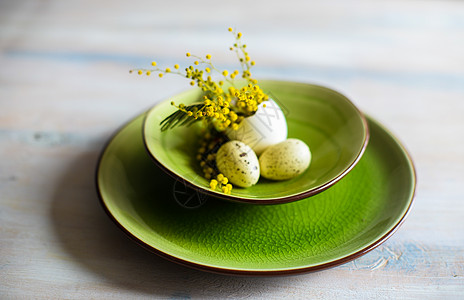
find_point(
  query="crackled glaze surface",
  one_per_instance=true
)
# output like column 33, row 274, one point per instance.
column 342, row 222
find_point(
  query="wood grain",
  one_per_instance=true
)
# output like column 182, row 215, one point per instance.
column 64, row 89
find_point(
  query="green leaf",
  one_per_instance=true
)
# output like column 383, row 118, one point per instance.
column 180, row 118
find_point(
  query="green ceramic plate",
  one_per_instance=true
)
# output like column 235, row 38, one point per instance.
column 351, row 218
column 335, row 130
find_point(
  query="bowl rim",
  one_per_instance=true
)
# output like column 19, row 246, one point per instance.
column 278, row 200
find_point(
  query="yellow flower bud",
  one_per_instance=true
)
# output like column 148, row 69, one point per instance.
column 213, row 184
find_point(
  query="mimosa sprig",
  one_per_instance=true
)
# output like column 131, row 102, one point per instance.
column 221, row 108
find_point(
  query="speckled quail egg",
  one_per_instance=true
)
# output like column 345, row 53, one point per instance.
column 285, row 160
column 265, row 128
column 239, row 163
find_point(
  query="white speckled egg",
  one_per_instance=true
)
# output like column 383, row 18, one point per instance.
column 239, row 163
column 265, row 128
column 285, row 160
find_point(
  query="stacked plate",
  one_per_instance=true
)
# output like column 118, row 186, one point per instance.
column 356, row 192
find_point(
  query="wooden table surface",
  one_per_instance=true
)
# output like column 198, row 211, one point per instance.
column 65, row 88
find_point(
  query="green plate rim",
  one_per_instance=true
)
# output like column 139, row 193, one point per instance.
column 254, row 272
column 266, row 201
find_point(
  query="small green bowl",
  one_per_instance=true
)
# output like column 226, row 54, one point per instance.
column 334, row 129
